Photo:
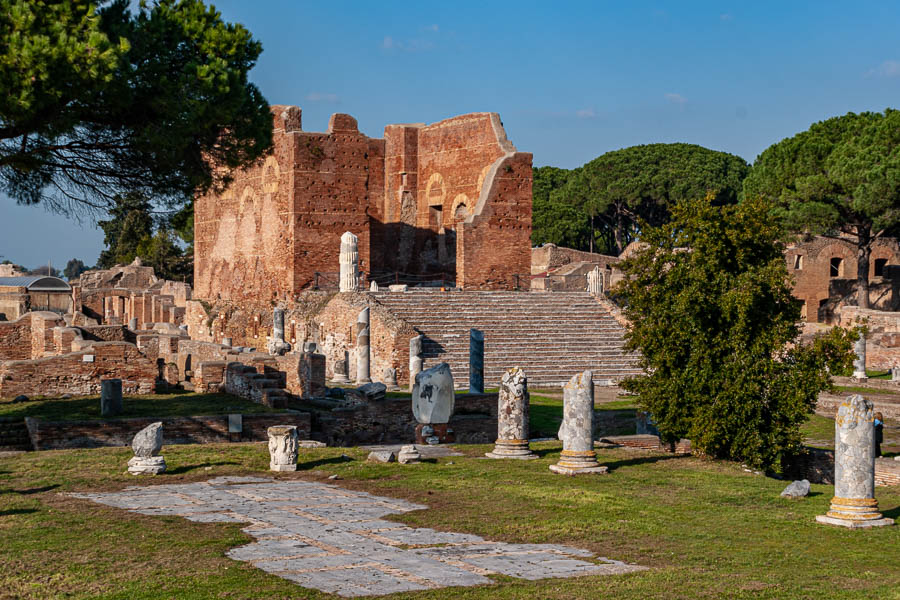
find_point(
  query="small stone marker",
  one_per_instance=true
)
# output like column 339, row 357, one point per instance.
column 87, row 358
column 512, row 417
column 476, row 361
column 373, row 287
column 235, row 423
column 283, row 444
column 110, row 397
column 373, row 392
column 796, row 489
column 146, row 445
column 382, row 456
column 400, row 287
column 409, row 455
column 895, row 374
column 595, row 282
column 133, row 324
column 854, row 504
column 577, row 430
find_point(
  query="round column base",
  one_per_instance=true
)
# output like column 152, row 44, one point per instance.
column 517, row 449
column 577, row 463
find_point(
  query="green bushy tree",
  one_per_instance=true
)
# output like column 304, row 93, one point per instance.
column 840, row 177
column 107, row 98
column 712, row 315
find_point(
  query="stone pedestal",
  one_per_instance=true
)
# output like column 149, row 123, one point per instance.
column 476, row 361
column 415, row 359
column 276, row 344
column 854, row 503
column 438, row 433
column 512, row 417
column 859, row 365
column 283, row 445
column 409, row 455
column 110, row 397
column 133, row 324
column 577, row 430
column 595, row 282
column 362, row 347
column 146, row 445
column 389, row 376
column 340, row 371
column 226, row 341
column 373, row 287
column 349, row 260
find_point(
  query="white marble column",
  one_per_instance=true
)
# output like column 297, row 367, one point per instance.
column 577, row 430
column 349, row 260
column 512, row 417
column 854, row 504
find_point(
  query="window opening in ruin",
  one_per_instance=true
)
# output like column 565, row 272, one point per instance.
column 436, row 214
column 880, row 263
column 798, row 262
column 837, row 267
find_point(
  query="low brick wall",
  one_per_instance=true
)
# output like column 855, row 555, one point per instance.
column 58, row 435
column 817, row 466
column 391, row 421
column 828, row 404
column 79, row 373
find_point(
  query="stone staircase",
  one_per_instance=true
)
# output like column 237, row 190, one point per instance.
column 14, row 434
column 551, row 336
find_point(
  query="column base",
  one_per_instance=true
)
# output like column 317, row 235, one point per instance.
column 577, row 463
column 274, row 467
column 853, row 524
column 341, row 379
column 517, row 449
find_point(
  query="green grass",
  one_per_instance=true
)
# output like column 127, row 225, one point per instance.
column 707, row 529
column 154, row 405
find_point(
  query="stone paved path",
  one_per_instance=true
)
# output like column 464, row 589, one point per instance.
column 334, row 540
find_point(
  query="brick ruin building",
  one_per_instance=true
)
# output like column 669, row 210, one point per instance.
column 448, row 201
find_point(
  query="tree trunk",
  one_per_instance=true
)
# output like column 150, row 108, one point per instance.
column 620, row 233
column 863, row 252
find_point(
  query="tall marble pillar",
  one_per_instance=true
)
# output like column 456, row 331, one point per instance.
column 349, row 263
column 415, row 359
column 512, row 417
column 595, row 282
column 362, row 347
column 854, row 504
column 476, row 361
column 859, row 365
column 577, row 430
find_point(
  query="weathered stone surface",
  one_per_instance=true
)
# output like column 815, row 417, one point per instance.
column 859, row 364
column 389, row 376
column 275, row 344
column 373, row 392
column 512, row 417
column 340, row 371
column 433, row 397
column 146, row 445
column 283, row 444
column 373, row 287
column 110, row 397
column 381, row 456
column 336, row 540
column 854, row 503
column 409, row 455
column 349, row 260
column 577, row 429
column 595, row 282
column 362, row 347
column 400, row 287
column 21, row 398
column 796, row 489
column 476, row 361
column 415, row 359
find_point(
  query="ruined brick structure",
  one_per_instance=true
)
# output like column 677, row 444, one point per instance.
column 451, row 200
column 824, row 272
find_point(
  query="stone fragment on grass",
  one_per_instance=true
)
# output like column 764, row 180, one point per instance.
column 797, row 489
column 146, row 445
column 283, row 444
column 409, row 455
column 382, row 456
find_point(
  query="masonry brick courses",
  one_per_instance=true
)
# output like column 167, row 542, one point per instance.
column 71, row 374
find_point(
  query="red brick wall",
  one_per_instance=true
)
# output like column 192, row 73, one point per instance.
column 15, row 338
column 69, row 374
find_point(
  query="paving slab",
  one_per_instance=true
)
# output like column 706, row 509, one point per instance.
column 335, row 540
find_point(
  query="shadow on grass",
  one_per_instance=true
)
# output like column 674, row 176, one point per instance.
column 186, row 468
column 306, row 466
column 893, row 513
column 17, row 511
column 30, row 491
column 642, row 460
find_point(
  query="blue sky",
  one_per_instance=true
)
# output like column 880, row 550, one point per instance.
column 571, row 80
